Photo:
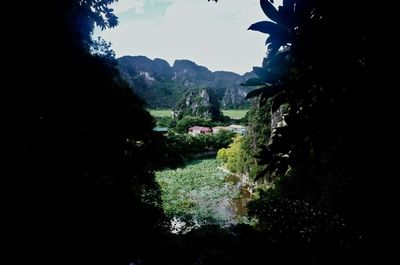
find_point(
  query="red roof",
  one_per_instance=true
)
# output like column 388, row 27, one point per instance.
column 199, row 128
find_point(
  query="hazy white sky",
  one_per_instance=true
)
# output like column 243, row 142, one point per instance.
column 211, row 34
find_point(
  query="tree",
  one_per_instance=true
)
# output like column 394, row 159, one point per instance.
column 78, row 148
column 326, row 61
column 102, row 48
column 182, row 125
column 232, row 156
column 256, row 138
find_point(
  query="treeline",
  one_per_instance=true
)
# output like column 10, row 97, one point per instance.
column 183, row 124
column 181, row 148
column 241, row 155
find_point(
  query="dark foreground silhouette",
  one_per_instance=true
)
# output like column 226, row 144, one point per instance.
column 78, row 151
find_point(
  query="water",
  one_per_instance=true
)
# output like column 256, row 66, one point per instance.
column 203, row 193
column 235, row 208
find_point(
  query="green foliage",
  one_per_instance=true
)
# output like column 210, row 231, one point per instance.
column 257, row 137
column 232, row 157
column 183, row 124
column 195, row 192
column 235, row 114
column 222, row 139
column 240, row 156
column 165, row 121
column 183, row 147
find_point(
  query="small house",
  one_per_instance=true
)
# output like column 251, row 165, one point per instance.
column 196, row 130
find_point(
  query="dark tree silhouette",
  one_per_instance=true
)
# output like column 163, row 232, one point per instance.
column 77, row 145
column 330, row 64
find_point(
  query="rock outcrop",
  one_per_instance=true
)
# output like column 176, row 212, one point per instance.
column 161, row 85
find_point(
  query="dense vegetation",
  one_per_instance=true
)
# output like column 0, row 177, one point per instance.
column 181, row 148
column 232, row 158
column 183, row 124
column 241, row 155
column 233, row 114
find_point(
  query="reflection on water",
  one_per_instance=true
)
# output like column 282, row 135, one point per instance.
column 224, row 210
column 235, row 208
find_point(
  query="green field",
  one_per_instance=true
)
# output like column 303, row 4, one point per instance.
column 160, row 113
column 234, row 114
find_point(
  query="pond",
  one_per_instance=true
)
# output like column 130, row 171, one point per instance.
column 202, row 193
column 236, row 207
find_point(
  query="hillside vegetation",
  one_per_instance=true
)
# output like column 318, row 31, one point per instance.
column 161, row 85
column 231, row 113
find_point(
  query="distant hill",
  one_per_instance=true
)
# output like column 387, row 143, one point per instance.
column 162, row 86
column 198, row 102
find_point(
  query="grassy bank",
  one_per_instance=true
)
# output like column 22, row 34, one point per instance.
column 160, row 113
column 235, row 113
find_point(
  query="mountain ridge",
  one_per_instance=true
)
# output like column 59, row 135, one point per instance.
column 160, row 85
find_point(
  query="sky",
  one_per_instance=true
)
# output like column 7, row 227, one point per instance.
column 211, row 34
